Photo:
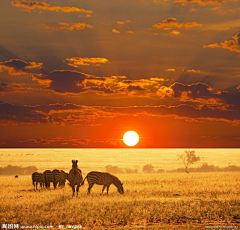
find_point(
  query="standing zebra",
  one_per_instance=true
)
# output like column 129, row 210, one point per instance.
column 47, row 178
column 56, row 177
column 75, row 176
column 104, row 179
column 37, row 178
column 63, row 177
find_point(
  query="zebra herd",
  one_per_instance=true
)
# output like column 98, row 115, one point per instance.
column 58, row 178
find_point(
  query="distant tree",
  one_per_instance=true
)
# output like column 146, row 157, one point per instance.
column 148, row 168
column 113, row 169
column 128, row 170
column 160, row 171
column 188, row 158
column 8, row 170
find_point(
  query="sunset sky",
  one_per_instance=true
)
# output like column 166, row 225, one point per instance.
column 79, row 74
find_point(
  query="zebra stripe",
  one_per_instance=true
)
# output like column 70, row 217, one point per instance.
column 47, row 177
column 37, row 178
column 104, row 179
column 56, row 177
column 63, row 177
column 75, row 176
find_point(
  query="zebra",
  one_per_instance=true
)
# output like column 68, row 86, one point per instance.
column 75, row 176
column 47, row 178
column 102, row 178
column 62, row 179
column 37, row 178
column 56, row 177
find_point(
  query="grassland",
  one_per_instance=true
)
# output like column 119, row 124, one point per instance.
column 151, row 201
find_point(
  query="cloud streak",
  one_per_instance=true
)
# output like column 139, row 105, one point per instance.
column 68, row 26
column 232, row 45
column 171, row 22
column 31, row 5
column 200, row 2
column 77, row 61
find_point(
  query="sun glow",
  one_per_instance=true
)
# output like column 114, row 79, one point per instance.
column 130, row 138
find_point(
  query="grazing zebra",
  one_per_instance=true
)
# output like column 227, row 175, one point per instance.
column 47, row 178
column 75, row 176
column 56, row 177
column 104, row 179
column 63, row 177
column 37, row 178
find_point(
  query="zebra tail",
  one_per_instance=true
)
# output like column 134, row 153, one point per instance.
column 83, row 181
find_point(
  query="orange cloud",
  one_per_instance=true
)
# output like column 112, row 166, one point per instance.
column 31, row 5
column 175, row 32
column 76, row 61
column 169, row 23
column 193, row 71
column 200, row 2
column 122, row 23
column 12, row 88
column 73, row 26
column 232, row 45
column 115, row 31
column 18, row 67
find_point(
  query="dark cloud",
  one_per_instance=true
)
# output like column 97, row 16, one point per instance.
column 3, row 87
column 203, row 91
column 58, row 107
column 53, row 142
column 17, row 66
column 54, row 114
column 12, row 88
column 20, row 114
column 193, row 90
column 102, row 88
column 134, row 88
column 183, row 111
column 232, row 98
column 31, row 5
column 65, row 81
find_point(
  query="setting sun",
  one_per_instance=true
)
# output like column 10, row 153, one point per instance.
column 130, row 138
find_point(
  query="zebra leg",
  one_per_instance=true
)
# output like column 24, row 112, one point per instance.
column 89, row 188
column 36, row 185
column 104, row 186
column 73, row 189
column 78, row 188
column 108, row 188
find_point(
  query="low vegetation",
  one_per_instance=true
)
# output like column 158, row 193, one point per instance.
column 179, row 200
column 10, row 170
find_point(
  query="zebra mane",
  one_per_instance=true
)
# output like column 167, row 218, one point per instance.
column 116, row 180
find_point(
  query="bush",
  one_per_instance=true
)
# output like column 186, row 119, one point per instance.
column 148, row 168
column 113, row 169
column 10, row 170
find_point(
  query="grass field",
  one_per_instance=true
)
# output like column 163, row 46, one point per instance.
column 150, row 201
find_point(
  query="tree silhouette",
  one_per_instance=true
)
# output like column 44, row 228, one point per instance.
column 148, row 168
column 188, row 158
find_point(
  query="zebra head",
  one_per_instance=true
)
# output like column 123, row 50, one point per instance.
column 75, row 166
column 119, row 186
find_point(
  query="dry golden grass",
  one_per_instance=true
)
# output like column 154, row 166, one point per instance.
column 151, row 201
